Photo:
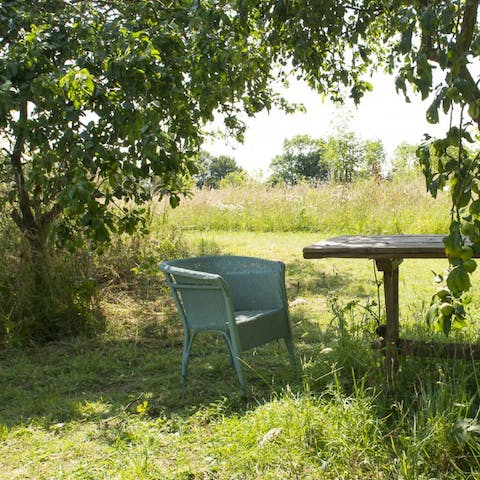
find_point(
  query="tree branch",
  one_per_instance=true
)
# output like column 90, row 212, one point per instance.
column 47, row 218
column 474, row 91
column 464, row 41
column 469, row 22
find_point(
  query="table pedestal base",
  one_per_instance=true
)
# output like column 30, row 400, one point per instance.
column 389, row 267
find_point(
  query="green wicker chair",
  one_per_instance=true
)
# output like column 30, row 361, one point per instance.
column 242, row 298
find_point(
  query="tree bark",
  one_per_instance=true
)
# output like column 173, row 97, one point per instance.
column 24, row 218
column 33, row 224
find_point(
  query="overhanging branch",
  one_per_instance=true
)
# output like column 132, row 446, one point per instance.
column 469, row 21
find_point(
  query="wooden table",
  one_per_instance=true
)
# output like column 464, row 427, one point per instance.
column 388, row 251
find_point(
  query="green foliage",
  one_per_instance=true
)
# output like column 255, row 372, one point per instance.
column 123, row 92
column 57, row 302
column 213, row 169
column 96, row 98
column 302, row 159
column 405, row 160
column 66, row 297
column 447, row 163
column 329, row 43
column 133, row 260
column 374, row 158
column 345, row 155
column 238, row 178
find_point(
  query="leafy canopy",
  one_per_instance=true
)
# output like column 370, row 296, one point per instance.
column 99, row 97
column 302, row 159
column 342, row 157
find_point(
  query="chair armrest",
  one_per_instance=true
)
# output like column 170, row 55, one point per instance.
column 185, row 272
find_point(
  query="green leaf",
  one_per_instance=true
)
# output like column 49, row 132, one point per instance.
column 432, row 111
column 458, row 280
column 406, row 39
column 474, row 208
column 446, row 323
column 432, row 315
column 174, row 201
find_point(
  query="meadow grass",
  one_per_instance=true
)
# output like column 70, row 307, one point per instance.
column 112, row 407
column 365, row 207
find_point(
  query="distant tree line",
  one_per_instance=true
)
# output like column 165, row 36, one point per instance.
column 217, row 171
column 340, row 158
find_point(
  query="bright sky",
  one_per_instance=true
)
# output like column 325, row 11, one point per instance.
column 383, row 114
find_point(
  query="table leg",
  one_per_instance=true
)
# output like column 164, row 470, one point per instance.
column 389, row 268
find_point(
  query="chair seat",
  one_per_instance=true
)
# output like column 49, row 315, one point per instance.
column 251, row 315
column 256, row 327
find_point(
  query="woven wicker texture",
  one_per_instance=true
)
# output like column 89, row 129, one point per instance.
column 242, row 298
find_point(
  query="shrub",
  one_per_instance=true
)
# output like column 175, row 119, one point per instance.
column 56, row 301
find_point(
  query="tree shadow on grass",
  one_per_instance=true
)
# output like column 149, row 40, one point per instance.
column 310, row 277
column 113, row 389
column 97, row 379
column 138, row 361
column 136, row 372
column 102, row 379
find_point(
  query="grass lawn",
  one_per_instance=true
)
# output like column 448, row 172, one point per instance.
column 112, row 407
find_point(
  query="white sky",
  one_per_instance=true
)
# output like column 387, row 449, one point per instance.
column 382, row 114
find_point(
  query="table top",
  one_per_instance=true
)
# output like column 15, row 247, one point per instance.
column 378, row 247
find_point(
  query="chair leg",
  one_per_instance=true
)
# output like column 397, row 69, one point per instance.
column 230, row 356
column 291, row 352
column 236, row 361
column 187, row 346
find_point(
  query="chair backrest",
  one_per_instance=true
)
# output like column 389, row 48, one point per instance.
column 253, row 283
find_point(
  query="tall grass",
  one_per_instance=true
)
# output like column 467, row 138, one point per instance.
column 47, row 300
column 365, row 207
